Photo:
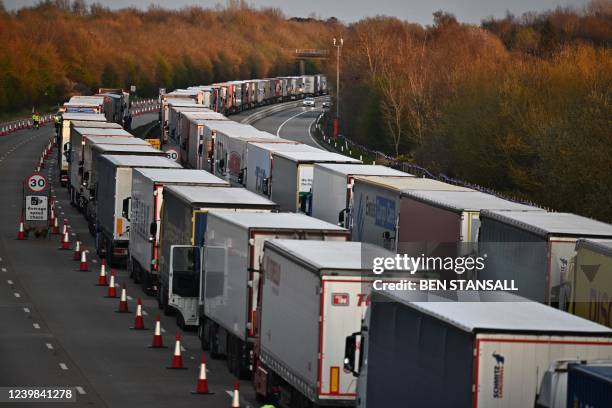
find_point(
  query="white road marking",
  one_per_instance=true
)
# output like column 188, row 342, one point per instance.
column 63, row 366
column 288, row 119
column 36, row 325
column 27, row 310
column 80, row 390
column 17, row 295
column 129, row 298
column 3, row 269
column 49, row 346
column 94, row 261
column 144, row 313
column 163, row 330
column 183, row 348
column 10, row 282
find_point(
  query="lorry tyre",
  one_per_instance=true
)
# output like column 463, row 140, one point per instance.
column 109, row 253
column 204, row 336
column 180, row 321
column 214, row 346
column 160, row 294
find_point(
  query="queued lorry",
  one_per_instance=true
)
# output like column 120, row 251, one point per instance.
column 332, row 191
column 591, row 280
column 63, row 139
column 183, row 229
column 290, row 180
column 482, row 354
column 116, row 104
column 314, row 294
column 145, row 217
column 230, row 151
column 589, row 385
column 113, row 189
column 231, row 277
column 259, row 162
column 78, row 141
column 193, row 146
column 174, row 117
column 546, row 243
column 375, row 209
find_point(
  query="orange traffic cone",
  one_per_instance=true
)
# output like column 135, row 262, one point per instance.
column 102, row 276
column 21, row 235
column 123, row 304
column 55, row 229
column 112, row 290
column 76, row 255
column 158, row 341
column 64, row 228
column 236, row 397
column 202, row 385
column 52, row 215
column 138, row 320
column 66, row 242
column 177, row 358
column 83, row 266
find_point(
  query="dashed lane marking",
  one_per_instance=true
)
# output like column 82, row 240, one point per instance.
column 163, row 330
column 63, row 366
column 17, row 295
column 26, row 309
column 80, row 390
column 49, row 346
column 10, row 282
column 129, row 298
column 36, row 326
column 144, row 313
column 3, row 269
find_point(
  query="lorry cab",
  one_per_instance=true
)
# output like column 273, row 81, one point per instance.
column 184, row 279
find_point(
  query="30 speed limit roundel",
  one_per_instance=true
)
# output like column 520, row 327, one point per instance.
column 37, row 182
column 172, row 154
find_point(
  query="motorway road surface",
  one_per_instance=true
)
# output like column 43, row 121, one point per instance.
column 56, row 327
column 293, row 124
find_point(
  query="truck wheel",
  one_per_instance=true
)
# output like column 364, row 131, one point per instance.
column 160, row 294
column 214, row 346
column 204, row 335
column 109, row 254
column 145, row 283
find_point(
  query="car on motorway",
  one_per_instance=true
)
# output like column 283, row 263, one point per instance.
column 326, row 104
column 309, row 102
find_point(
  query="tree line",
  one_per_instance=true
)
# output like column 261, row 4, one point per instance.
column 519, row 104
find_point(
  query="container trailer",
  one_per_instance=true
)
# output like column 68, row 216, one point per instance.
column 375, row 211
column 145, row 218
column 259, row 162
column 174, row 115
column 589, row 385
column 546, row 243
column 309, row 85
column 591, row 280
column 112, row 194
column 332, row 188
column 314, row 294
column 418, row 350
column 231, row 286
column 291, row 177
column 63, row 139
column 183, row 227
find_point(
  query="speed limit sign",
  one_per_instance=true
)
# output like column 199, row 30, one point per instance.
column 172, row 154
column 37, row 182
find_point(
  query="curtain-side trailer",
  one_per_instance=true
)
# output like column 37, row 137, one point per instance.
column 480, row 354
column 591, row 280
column 375, row 210
column 183, row 228
column 112, row 201
column 230, row 287
column 546, row 243
column 145, row 217
column 332, row 188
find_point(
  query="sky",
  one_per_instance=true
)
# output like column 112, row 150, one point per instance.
column 419, row 11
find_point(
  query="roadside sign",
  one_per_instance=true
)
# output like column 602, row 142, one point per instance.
column 172, row 154
column 36, row 208
column 154, row 142
column 132, row 88
column 37, row 183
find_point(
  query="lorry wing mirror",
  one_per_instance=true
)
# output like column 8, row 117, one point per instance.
column 342, row 216
column 66, row 146
column 200, row 150
column 86, row 176
column 126, row 208
column 241, row 176
column 265, row 186
column 352, row 353
column 92, row 193
column 80, row 170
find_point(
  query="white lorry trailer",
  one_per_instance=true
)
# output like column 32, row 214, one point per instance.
column 259, row 162
column 437, row 353
column 78, row 140
column 314, row 295
column 113, row 190
column 230, row 290
column 332, row 188
column 145, row 217
column 375, row 211
column 190, row 130
column 546, row 243
column 182, row 232
column 63, row 139
column 291, row 177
